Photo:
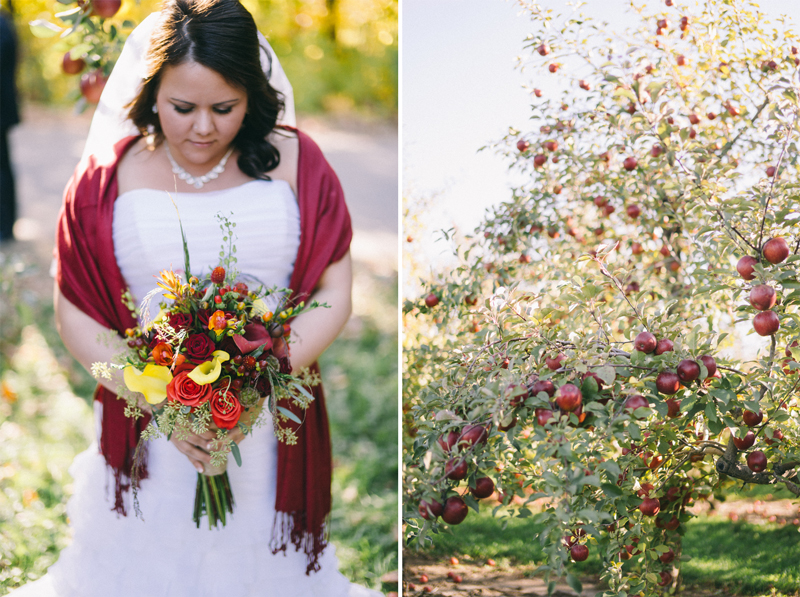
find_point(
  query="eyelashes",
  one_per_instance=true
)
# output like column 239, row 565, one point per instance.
column 220, row 111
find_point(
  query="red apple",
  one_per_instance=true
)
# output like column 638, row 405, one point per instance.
column 544, row 385
column 455, row 510
column 663, row 23
column 770, row 171
column 694, row 118
column 423, row 578
column 448, row 441
column 456, row 469
column 666, row 578
column 645, row 342
column 543, row 415
column 743, row 443
column 70, row 66
column 430, row 510
column 752, row 419
column 579, row 552
column 745, row 267
column 672, row 524
column 667, row 556
column 763, row 297
column 656, row 150
column 633, row 211
column 777, row 435
column 711, row 115
column 539, row 160
column 431, row 300
column 688, row 371
column 537, row 92
column 674, row 408
column 710, row 363
column 92, row 85
column 474, row 434
column 650, row 506
column 766, row 323
column 105, row 8
column 484, row 487
column 608, row 209
column 543, row 50
column 630, row 163
column 668, row 382
column 569, row 397
column 681, row 60
column 757, row 461
column 665, row 345
column 600, row 201
column 555, row 363
column 553, row 67
column 584, row 85
column 775, row 250
column 637, row 249
column 636, row 401
column 523, row 145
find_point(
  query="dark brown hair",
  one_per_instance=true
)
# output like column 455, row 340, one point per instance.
column 220, row 35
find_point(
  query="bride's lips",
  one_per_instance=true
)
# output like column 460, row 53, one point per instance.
column 202, row 144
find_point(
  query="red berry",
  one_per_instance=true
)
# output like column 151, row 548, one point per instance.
column 218, row 275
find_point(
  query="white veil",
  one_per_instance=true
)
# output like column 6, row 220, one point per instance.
column 110, row 122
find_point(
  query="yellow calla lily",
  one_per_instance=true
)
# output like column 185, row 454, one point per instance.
column 258, row 308
column 152, row 382
column 208, row 372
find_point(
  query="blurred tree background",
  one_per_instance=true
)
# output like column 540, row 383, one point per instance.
column 340, row 55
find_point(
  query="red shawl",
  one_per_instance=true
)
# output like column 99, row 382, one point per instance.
column 89, row 277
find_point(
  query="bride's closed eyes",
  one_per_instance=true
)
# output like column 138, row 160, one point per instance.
column 187, row 110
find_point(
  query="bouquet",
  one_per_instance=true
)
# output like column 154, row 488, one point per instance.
column 208, row 361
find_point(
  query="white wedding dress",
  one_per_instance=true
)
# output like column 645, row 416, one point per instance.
column 165, row 555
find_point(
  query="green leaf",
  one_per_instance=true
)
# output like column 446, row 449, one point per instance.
column 574, row 584
column 44, row 29
column 286, row 412
column 607, row 373
column 610, row 490
column 237, row 456
column 303, row 391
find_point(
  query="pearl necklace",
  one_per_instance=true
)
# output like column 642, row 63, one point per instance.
column 198, row 181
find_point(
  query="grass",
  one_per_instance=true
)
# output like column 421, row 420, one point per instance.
column 731, row 558
column 45, row 420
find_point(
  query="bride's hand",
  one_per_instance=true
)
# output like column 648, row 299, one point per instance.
column 195, row 447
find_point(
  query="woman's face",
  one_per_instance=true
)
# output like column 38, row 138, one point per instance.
column 200, row 114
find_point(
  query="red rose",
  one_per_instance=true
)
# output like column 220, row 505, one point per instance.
column 225, row 408
column 186, row 391
column 180, row 321
column 199, row 347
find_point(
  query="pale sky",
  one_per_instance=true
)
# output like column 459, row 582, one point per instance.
column 461, row 91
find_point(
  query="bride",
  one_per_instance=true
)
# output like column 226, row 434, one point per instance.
column 207, row 139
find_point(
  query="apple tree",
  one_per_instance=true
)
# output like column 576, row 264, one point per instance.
column 622, row 334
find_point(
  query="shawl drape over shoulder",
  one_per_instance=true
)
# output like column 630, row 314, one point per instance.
column 89, row 277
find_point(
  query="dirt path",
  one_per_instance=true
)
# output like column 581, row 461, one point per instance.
column 423, row 575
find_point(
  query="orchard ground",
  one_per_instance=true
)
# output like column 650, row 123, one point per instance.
column 45, row 417
column 756, row 555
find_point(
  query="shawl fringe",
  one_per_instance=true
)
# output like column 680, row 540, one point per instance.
column 288, row 527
